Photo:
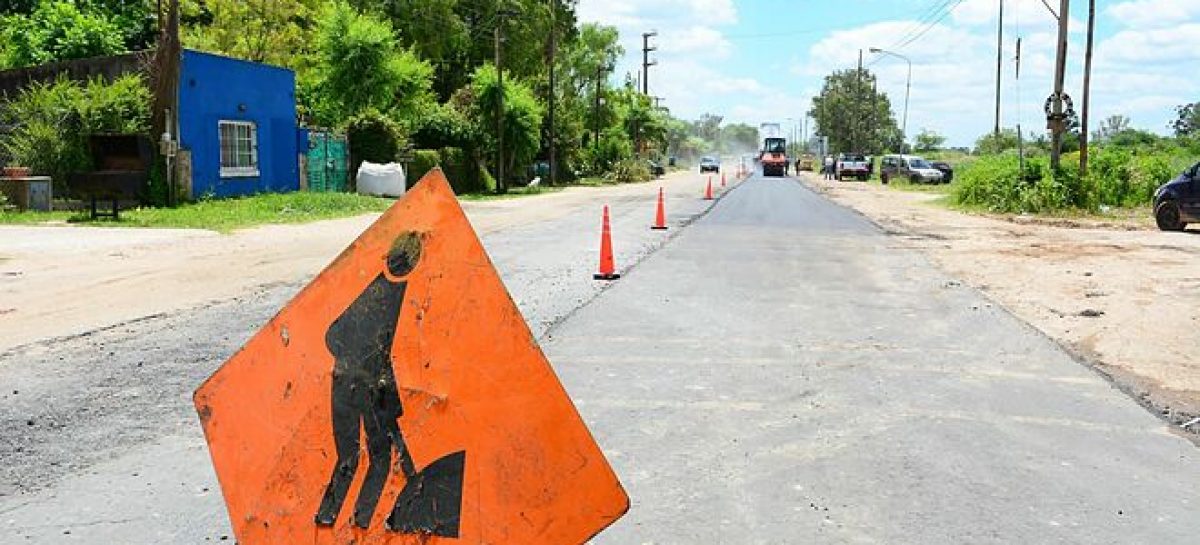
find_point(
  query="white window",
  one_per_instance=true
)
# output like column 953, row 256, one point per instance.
column 239, row 149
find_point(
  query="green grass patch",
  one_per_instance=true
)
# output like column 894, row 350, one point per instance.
column 224, row 215
column 903, row 184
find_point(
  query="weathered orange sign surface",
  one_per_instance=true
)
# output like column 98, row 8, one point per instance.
column 400, row 398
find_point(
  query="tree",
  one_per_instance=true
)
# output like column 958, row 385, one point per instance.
column 1187, row 122
column 1111, row 126
column 853, row 115
column 522, row 116
column 275, row 32
column 581, row 61
column 57, row 30
column 992, row 143
column 928, row 141
column 708, row 127
column 739, row 138
column 359, row 67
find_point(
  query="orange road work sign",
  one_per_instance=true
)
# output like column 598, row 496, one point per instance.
column 400, row 398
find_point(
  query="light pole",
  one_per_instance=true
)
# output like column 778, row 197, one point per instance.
column 907, row 90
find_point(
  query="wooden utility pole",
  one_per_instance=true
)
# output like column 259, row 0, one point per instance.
column 596, row 111
column 501, row 187
column 1057, row 117
column 1087, row 90
column 553, row 92
column 166, row 81
column 999, row 62
column 856, row 120
column 646, row 62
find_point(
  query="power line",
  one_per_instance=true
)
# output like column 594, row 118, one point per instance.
column 928, row 15
column 931, row 25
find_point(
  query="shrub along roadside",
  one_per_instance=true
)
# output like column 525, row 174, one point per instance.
column 52, row 122
column 1118, row 177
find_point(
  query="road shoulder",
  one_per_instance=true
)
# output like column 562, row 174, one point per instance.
column 1122, row 301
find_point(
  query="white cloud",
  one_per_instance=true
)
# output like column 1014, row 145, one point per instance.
column 735, row 86
column 1168, row 45
column 1154, row 13
column 695, row 40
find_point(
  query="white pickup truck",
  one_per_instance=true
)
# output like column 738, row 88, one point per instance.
column 852, row 165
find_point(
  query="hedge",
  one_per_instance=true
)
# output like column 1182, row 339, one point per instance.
column 461, row 169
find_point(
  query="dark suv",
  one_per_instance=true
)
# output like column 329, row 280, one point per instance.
column 1177, row 203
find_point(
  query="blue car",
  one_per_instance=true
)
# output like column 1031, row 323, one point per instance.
column 1177, row 203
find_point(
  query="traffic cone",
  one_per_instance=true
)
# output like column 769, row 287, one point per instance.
column 660, row 218
column 708, row 190
column 607, row 270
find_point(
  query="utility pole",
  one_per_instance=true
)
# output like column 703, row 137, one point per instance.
column 166, row 79
column 1087, row 90
column 857, row 119
column 501, row 183
column 500, row 188
column 600, row 70
column 1057, row 118
column 804, row 134
column 999, row 62
column 551, row 98
column 646, row 62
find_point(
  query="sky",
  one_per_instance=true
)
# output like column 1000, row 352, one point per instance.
column 756, row 61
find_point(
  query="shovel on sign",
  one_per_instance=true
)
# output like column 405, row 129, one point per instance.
column 431, row 501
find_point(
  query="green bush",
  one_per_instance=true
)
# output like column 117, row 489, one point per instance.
column 460, row 168
column 1117, row 177
column 52, row 121
column 373, row 137
column 423, row 161
column 629, row 171
column 462, row 171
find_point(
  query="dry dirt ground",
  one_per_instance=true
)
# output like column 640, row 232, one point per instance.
column 1122, row 297
column 58, row 281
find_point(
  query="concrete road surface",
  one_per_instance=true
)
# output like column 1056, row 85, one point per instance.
column 781, row 374
column 776, row 372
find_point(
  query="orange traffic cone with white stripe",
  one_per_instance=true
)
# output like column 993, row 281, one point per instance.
column 607, row 269
column 660, row 217
column 708, row 190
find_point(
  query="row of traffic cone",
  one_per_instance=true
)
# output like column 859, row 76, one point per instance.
column 608, row 269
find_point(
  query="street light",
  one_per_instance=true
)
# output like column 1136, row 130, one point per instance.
column 907, row 89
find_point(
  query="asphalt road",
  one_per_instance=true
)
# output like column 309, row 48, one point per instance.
column 777, row 372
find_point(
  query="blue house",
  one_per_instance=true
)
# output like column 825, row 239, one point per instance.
column 237, row 126
column 236, row 120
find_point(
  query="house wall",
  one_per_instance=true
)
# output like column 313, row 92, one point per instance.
column 213, row 88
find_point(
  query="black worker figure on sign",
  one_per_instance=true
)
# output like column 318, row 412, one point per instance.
column 366, row 399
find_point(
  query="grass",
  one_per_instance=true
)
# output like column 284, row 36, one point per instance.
column 223, row 215
column 903, row 184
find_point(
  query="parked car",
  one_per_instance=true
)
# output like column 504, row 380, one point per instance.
column 656, row 168
column 709, row 164
column 946, row 170
column 911, row 167
column 852, row 165
column 1177, row 203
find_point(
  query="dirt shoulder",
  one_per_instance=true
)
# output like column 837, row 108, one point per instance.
column 1122, row 297
column 66, row 280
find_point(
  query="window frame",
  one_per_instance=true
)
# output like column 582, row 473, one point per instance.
column 250, row 170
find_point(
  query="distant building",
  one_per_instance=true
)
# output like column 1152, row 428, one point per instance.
column 238, row 132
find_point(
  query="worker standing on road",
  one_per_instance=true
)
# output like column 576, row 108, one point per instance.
column 828, row 167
